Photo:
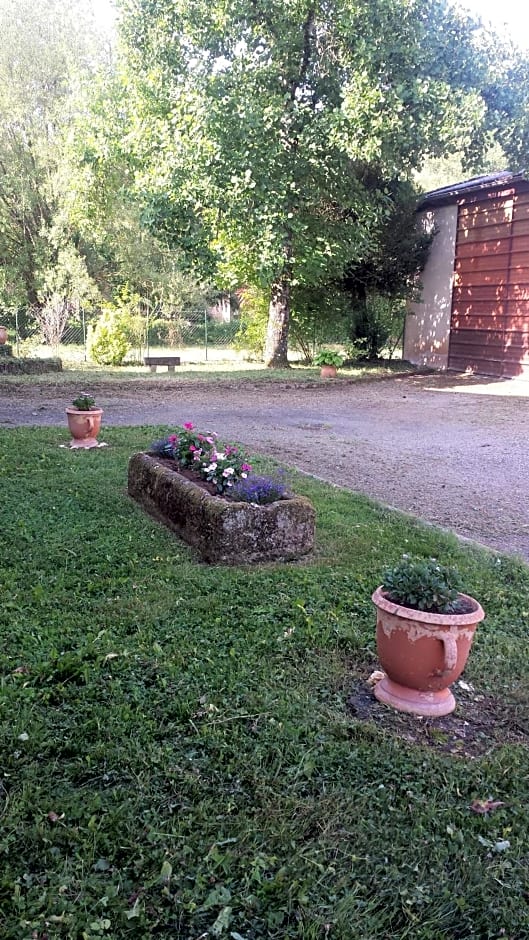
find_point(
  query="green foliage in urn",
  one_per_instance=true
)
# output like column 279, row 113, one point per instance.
column 84, row 402
column 423, row 584
column 328, row 357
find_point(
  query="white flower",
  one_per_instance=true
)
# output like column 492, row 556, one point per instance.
column 211, row 468
column 228, row 472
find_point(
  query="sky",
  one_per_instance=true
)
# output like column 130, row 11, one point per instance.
column 104, row 12
column 511, row 16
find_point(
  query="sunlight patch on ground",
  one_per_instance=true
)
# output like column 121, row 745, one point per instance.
column 479, row 385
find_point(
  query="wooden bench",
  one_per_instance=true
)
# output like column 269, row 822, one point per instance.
column 169, row 361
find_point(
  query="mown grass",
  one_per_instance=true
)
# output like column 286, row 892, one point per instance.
column 96, row 377
column 178, row 756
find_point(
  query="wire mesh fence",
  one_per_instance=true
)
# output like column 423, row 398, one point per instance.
column 64, row 330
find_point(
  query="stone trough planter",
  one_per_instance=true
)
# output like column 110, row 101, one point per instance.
column 224, row 532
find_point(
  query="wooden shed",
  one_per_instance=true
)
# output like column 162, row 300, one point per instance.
column 474, row 309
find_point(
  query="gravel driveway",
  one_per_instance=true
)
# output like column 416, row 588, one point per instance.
column 451, row 450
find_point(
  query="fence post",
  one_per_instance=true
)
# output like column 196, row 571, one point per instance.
column 147, row 328
column 83, row 321
column 17, row 334
column 206, row 331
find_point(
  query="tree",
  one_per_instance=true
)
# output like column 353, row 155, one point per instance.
column 106, row 209
column 45, row 48
column 260, row 123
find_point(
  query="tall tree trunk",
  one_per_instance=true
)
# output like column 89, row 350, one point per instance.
column 276, row 346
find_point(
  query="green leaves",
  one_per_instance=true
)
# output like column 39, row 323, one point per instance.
column 267, row 130
column 423, row 584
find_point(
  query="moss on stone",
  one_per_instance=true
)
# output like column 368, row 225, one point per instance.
column 223, row 532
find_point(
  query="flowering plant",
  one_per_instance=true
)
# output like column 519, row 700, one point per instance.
column 260, row 489
column 222, row 465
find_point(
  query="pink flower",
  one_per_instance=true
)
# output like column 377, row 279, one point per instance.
column 189, row 425
column 192, row 448
column 246, row 467
column 172, row 438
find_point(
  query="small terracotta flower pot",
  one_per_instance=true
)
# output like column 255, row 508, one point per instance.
column 422, row 654
column 84, row 426
column 3, row 335
column 328, row 372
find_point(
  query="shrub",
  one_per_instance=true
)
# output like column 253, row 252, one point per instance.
column 327, row 357
column 423, row 584
column 84, row 402
column 251, row 334
column 107, row 340
column 379, row 322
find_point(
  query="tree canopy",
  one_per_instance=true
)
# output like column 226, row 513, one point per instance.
column 45, row 51
column 261, row 125
column 258, row 144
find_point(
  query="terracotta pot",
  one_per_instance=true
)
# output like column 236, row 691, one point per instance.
column 3, row 335
column 422, row 654
column 84, row 426
column 328, row 372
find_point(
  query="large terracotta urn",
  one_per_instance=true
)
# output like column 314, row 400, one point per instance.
column 328, row 372
column 3, row 335
column 422, row 654
column 84, row 426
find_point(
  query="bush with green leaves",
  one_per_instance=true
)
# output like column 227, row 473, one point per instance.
column 355, row 350
column 107, row 340
column 378, row 323
column 423, row 584
column 328, row 357
column 84, row 402
column 251, row 333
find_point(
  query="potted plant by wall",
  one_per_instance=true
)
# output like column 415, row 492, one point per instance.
column 329, row 361
column 3, row 335
column 84, row 421
column 425, row 628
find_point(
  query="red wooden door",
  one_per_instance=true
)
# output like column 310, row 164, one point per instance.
column 490, row 302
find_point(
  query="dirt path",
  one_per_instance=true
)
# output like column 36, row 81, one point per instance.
column 453, row 451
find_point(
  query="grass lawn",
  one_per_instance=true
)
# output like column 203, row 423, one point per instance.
column 95, row 377
column 179, row 757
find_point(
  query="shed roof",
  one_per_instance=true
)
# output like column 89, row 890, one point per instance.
column 453, row 193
